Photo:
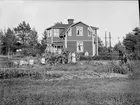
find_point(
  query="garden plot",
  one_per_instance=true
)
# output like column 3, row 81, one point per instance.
column 85, row 74
column 86, row 83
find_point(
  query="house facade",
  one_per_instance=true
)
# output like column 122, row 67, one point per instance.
column 75, row 37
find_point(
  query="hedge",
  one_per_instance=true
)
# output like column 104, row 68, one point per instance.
column 100, row 57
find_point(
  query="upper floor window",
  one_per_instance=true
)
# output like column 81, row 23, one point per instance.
column 56, row 32
column 79, row 31
column 89, row 32
column 69, row 32
column 94, row 32
column 48, row 33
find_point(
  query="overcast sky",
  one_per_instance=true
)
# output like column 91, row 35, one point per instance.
column 117, row 17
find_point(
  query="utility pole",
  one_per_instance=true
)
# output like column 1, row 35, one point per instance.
column 105, row 40
column 139, row 11
column 110, row 39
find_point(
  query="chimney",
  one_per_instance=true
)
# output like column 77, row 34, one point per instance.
column 70, row 21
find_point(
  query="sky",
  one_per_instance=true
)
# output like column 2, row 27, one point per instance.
column 117, row 17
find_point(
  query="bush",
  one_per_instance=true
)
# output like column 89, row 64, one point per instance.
column 30, row 52
column 16, row 73
column 100, row 57
column 117, row 68
column 135, row 69
column 57, row 58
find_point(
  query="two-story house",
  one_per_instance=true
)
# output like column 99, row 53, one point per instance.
column 75, row 37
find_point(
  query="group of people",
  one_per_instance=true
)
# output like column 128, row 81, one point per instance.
column 73, row 57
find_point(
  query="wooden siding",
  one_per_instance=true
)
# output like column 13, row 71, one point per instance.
column 71, row 46
column 85, row 33
column 88, row 47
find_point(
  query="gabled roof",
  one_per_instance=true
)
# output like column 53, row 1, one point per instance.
column 94, row 28
column 78, row 23
column 66, row 27
column 58, row 26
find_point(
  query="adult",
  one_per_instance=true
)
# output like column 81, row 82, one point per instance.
column 43, row 61
column 73, row 57
column 86, row 54
column 69, row 57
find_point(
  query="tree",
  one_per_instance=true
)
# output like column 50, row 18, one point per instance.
column 119, row 47
column 22, row 31
column 44, row 41
column 100, row 44
column 1, row 41
column 101, row 48
column 33, row 38
column 8, row 41
column 132, row 40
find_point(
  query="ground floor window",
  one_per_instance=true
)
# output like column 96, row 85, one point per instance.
column 79, row 46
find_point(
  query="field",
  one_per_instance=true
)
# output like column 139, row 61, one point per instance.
column 84, row 83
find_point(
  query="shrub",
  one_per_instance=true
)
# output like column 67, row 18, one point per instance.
column 57, row 58
column 100, row 57
column 117, row 68
column 16, row 73
column 135, row 69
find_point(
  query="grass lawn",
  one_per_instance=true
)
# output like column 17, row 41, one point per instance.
column 72, row 91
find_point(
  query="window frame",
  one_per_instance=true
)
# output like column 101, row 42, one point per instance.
column 89, row 32
column 82, row 44
column 48, row 33
column 56, row 32
column 79, row 28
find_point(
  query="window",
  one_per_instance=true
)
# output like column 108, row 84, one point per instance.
column 94, row 32
column 56, row 32
column 79, row 46
column 48, row 33
column 69, row 32
column 79, row 31
column 89, row 32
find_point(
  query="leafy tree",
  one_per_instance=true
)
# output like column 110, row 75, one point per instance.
column 44, row 41
column 23, row 30
column 1, row 41
column 132, row 40
column 8, row 41
column 132, row 43
column 100, row 44
column 119, row 47
column 33, row 38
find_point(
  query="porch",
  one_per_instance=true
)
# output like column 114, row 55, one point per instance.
column 55, row 47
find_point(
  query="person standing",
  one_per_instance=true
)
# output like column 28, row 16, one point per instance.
column 69, row 57
column 73, row 57
column 43, row 61
column 86, row 54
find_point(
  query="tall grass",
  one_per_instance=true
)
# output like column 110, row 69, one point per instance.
column 72, row 98
column 135, row 69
